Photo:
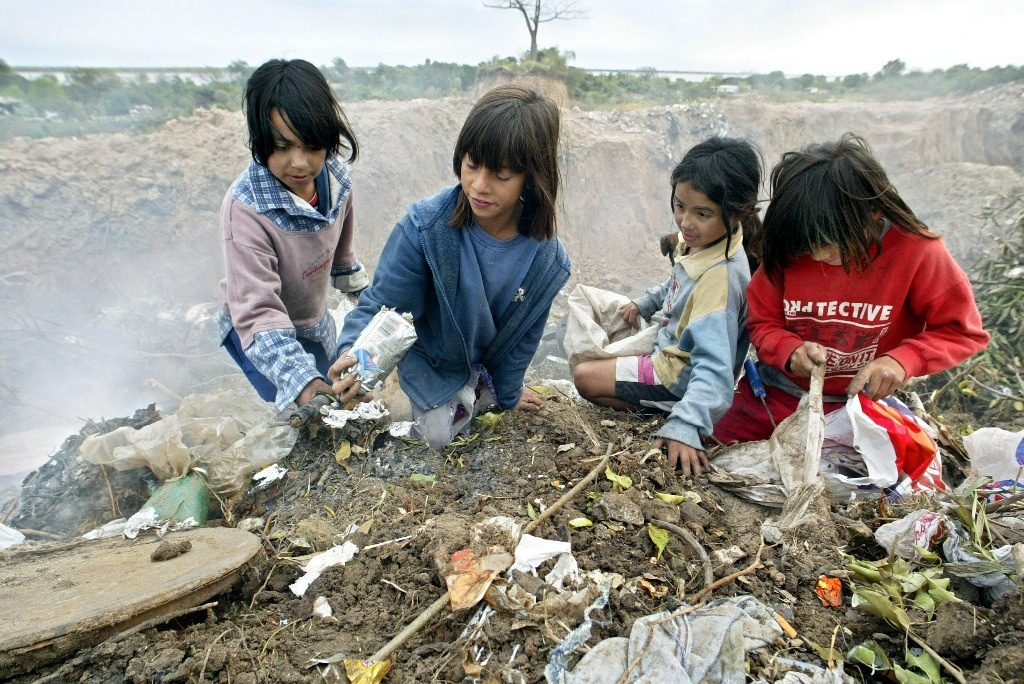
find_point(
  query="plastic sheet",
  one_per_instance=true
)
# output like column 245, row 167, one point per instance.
column 228, row 435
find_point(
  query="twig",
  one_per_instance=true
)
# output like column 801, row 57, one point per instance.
column 993, row 390
column 410, row 629
column 682, row 532
column 110, row 491
column 1003, row 503
column 209, row 648
column 939, row 393
column 953, row 670
column 160, row 619
column 262, row 586
column 394, row 586
column 729, row 578
column 39, row 533
column 568, row 496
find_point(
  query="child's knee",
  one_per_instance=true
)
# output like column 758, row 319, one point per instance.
column 586, row 378
column 436, row 436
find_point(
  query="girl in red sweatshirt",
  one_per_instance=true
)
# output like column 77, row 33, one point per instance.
column 850, row 278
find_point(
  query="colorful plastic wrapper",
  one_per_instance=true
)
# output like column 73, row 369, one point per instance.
column 381, row 345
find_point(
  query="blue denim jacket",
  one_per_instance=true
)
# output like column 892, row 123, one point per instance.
column 418, row 273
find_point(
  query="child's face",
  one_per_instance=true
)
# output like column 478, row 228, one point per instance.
column 828, row 254
column 292, row 162
column 493, row 197
column 699, row 219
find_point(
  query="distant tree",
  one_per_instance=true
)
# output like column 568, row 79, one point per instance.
column 894, row 67
column 854, row 80
column 537, row 12
column 240, row 71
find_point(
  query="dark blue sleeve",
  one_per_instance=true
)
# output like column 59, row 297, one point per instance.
column 399, row 282
column 508, row 372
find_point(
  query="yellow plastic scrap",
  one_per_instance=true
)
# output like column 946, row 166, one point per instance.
column 362, row 672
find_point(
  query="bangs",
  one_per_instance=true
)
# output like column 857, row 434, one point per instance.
column 314, row 126
column 497, row 141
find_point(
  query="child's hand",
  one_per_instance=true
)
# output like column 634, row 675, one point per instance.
column 684, row 456
column 629, row 312
column 805, row 358
column 878, row 379
column 346, row 385
column 529, row 401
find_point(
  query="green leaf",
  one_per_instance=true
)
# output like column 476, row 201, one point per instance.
column 623, row 481
column 871, row 655
column 659, row 537
column 926, row 554
column 880, row 605
column 904, row 676
column 939, row 592
column 419, row 477
column 676, row 499
column 530, row 512
column 927, row 664
column 913, row 582
column 487, row 421
column 925, row 602
column 580, row 522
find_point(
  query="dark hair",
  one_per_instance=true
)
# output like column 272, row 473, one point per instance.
column 728, row 171
column 515, row 127
column 825, row 194
column 306, row 102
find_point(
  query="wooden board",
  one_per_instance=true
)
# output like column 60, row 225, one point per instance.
column 57, row 600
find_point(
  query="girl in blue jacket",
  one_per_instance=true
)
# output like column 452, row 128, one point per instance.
column 478, row 266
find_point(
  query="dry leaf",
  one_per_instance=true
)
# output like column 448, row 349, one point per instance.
column 343, row 453
column 361, row 672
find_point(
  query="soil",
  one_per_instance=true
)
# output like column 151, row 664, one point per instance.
column 261, row 632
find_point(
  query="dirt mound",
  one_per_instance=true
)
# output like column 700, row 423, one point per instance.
column 414, row 509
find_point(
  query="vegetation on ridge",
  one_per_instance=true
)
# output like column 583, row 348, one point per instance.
column 100, row 100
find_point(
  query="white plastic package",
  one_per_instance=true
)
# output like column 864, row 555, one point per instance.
column 381, row 345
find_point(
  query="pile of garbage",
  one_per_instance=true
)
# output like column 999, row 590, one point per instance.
column 554, row 546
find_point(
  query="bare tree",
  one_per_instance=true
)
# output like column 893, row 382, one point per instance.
column 537, row 12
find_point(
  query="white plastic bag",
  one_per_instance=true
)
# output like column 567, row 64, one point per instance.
column 595, row 329
column 997, row 453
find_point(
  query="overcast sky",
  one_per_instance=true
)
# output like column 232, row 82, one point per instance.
column 831, row 37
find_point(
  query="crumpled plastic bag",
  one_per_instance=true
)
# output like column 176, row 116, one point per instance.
column 919, row 528
column 706, row 645
column 229, row 435
column 595, row 329
column 874, row 448
column 998, row 454
column 869, row 449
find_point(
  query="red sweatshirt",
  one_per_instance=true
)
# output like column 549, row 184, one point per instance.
column 912, row 303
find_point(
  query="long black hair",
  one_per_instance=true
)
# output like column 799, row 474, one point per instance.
column 728, row 171
column 832, row 194
column 516, row 127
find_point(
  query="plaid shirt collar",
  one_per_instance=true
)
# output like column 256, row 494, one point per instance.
column 258, row 187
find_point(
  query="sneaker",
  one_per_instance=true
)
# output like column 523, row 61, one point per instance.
column 351, row 280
